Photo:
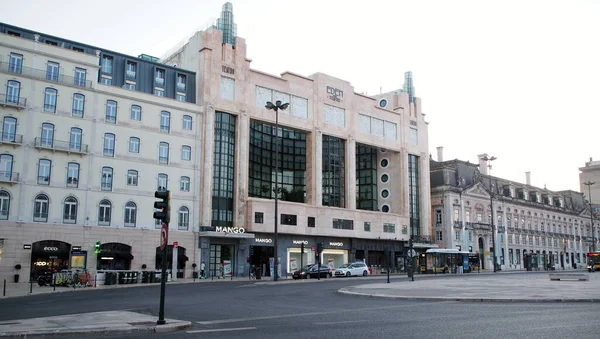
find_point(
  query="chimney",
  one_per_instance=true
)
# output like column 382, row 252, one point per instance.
column 440, row 153
column 483, row 165
column 528, row 178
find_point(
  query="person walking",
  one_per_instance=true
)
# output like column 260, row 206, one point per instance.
column 202, row 267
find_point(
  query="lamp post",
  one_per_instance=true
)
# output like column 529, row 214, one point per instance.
column 589, row 184
column 276, row 107
column 489, row 160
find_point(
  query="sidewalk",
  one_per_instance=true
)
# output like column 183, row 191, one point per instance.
column 86, row 324
column 488, row 287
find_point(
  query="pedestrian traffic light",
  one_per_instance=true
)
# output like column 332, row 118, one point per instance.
column 164, row 206
column 97, row 247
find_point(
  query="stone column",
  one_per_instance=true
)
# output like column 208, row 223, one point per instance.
column 207, row 170
column 424, row 194
column 318, row 167
column 351, row 173
column 241, row 185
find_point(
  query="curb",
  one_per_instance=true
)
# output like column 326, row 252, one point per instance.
column 122, row 329
column 466, row 299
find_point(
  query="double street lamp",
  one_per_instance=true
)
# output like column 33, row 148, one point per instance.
column 276, row 107
column 489, row 160
column 589, row 184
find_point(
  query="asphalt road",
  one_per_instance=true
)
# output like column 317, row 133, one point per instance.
column 315, row 310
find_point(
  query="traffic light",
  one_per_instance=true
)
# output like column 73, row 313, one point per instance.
column 164, row 206
column 97, row 247
column 319, row 247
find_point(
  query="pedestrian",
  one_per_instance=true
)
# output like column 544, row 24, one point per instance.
column 222, row 275
column 202, row 267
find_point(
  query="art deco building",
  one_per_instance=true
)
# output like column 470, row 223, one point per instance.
column 537, row 228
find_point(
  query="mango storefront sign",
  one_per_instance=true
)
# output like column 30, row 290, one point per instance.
column 224, row 229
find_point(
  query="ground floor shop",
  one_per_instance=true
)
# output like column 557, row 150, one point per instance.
column 223, row 252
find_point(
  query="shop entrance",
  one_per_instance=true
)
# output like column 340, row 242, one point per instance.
column 114, row 256
column 259, row 257
column 49, row 256
column 181, row 259
column 221, row 260
column 481, row 254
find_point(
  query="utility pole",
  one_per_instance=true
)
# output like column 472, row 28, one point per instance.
column 589, row 184
column 489, row 160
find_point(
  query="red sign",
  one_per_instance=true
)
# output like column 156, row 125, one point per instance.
column 164, row 236
column 312, row 248
column 175, row 244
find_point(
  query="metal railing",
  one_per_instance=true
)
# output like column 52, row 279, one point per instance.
column 180, row 87
column 9, row 176
column 12, row 100
column 11, row 138
column 63, row 146
column 422, row 239
column 45, row 75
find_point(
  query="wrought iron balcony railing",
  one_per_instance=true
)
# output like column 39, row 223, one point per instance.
column 9, row 176
column 11, row 138
column 62, row 146
column 422, row 239
column 13, row 101
column 45, row 75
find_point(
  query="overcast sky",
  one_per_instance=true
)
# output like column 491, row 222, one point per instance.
column 516, row 79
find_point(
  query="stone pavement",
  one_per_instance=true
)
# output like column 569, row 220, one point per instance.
column 87, row 324
column 535, row 287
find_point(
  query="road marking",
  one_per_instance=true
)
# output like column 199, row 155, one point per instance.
column 552, row 327
column 41, row 302
column 342, row 322
column 280, row 316
column 222, row 330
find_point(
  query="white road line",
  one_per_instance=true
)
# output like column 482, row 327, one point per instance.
column 342, row 322
column 553, row 327
column 222, row 330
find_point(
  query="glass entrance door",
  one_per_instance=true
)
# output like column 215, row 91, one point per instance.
column 220, row 257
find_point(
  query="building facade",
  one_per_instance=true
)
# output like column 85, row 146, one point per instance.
column 87, row 136
column 537, row 229
column 352, row 171
column 589, row 183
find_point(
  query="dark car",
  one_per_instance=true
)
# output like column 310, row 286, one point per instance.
column 312, row 271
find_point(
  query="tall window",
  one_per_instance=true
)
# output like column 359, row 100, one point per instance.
column 132, row 178
column 70, row 211
column 73, row 174
column 4, row 205
column 13, row 92
column 106, row 65
column 333, row 171
column 15, row 63
column 163, row 153
column 52, row 71
column 187, row 122
column 165, row 121
column 111, row 112
column 180, row 83
column 78, row 105
column 50, row 100
column 185, row 184
column 223, row 169
column 47, row 139
column 130, row 71
column 163, row 180
column 40, row 208
column 44, row 168
column 80, row 77
column 159, row 77
column 186, row 153
column 183, row 219
column 130, row 214
column 75, row 139
column 413, row 194
column 136, row 113
column 366, row 178
column 109, row 145
column 104, row 212
column 9, row 129
column 134, row 145
column 6, row 164
column 107, row 179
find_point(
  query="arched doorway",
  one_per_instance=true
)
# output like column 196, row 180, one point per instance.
column 114, row 256
column 481, row 254
column 49, row 256
column 181, row 259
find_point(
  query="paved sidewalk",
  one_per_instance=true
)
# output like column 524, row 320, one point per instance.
column 489, row 287
column 85, row 324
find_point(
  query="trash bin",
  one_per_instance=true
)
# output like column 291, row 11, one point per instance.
column 145, row 277
column 109, row 278
column 258, row 273
column 121, row 277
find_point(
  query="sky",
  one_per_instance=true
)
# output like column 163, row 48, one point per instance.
column 515, row 79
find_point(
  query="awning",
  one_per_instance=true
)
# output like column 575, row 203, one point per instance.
column 226, row 235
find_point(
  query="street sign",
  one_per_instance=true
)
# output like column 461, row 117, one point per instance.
column 412, row 253
column 164, row 236
column 175, row 244
column 312, row 248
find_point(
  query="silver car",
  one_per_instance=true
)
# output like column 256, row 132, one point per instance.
column 354, row 269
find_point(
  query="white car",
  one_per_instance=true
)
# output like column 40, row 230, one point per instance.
column 354, row 269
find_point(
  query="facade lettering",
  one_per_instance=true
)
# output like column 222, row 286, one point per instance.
column 263, row 240
column 336, row 244
column 228, row 70
column 298, row 242
column 224, row 229
column 335, row 94
column 54, row 249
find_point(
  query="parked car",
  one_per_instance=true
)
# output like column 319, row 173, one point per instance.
column 312, row 271
column 354, row 269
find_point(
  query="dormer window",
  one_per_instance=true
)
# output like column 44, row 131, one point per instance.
column 520, row 193
column 546, row 199
column 159, row 78
column 130, row 71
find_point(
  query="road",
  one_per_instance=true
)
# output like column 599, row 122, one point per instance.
column 315, row 310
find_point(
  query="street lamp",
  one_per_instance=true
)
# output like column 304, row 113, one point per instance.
column 276, row 107
column 489, row 160
column 589, row 184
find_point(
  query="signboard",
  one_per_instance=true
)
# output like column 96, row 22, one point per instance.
column 335, row 94
column 293, row 265
column 175, row 244
column 227, row 268
column 164, row 236
column 331, row 264
column 78, row 259
column 412, row 253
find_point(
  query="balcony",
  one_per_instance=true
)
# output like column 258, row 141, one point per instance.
column 180, row 87
column 11, row 139
column 159, row 82
column 61, row 146
column 481, row 226
column 13, row 101
column 130, row 75
column 422, row 239
column 9, row 177
column 458, row 224
column 42, row 74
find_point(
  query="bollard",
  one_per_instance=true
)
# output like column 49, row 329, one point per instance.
column 30, row 285
column 95, row 276
column 54, row 280
column 4, row 289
